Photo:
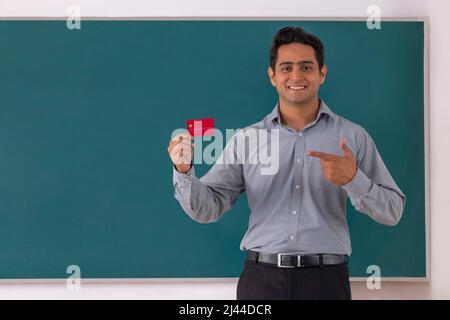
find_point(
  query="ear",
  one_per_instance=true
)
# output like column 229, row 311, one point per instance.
column 323, row 73
column 271, row 75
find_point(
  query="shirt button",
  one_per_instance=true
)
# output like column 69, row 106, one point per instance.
column 294, row 212
column 300, row 134
column 292, row 237
column 297, row 186
column 298, row 160
column 186, row 180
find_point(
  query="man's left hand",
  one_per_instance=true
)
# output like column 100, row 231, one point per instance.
column 336, row 169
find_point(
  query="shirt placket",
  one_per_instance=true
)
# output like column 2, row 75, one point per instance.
column 297, row 190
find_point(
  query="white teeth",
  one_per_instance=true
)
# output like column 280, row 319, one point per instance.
column 297, row 88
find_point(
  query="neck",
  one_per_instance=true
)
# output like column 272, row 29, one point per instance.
column 297, row 116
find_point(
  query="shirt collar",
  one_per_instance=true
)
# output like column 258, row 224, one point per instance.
column 323, row 109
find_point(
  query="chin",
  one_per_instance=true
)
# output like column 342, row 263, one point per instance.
column 301, row 100
column 298, row 101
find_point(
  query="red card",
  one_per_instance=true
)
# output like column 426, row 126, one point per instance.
column 198, row 127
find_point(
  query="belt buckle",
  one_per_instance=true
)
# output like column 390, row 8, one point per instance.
column 280, row 257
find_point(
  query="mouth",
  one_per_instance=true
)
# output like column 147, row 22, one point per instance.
column 297, row 88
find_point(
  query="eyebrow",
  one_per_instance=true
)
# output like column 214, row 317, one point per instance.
column 300, row 62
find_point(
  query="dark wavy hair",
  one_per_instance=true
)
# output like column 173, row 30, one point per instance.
column 289, row 35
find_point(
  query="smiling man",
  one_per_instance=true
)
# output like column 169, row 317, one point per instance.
column 297, row 241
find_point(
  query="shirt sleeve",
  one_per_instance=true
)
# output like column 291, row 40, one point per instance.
column 206, row 199
column 372, row 190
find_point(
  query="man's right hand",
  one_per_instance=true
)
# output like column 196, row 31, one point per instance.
column 180, row 152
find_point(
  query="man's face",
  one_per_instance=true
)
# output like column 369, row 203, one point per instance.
column 297, row 77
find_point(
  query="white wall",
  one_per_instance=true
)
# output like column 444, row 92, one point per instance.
column 437, row 10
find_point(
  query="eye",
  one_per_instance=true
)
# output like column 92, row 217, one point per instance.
column 286, row 68
column 306, row 68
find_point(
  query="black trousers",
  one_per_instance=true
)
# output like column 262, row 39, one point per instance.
column 260, row 281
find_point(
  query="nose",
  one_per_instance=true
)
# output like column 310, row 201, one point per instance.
column 297, row 74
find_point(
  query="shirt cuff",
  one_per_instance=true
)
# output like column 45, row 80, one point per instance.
column 359, row 185
column 183, row 178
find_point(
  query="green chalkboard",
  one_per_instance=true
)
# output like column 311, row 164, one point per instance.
column 86, row 116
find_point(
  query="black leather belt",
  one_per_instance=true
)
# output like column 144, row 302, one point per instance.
column 289, row 260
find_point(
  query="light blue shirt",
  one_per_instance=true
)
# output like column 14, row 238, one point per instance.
column 296, row 210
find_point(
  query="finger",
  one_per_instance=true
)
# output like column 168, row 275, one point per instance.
column 177, row 147
column 182, row 141
column 328, row 164
column 172, row 144
column 347, row 151
column 182, row 136
column 184, row 144
column 177, row 139
column 323, row 155
column 181, row 154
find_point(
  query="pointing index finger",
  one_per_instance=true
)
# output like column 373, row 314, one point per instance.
column 323, row 155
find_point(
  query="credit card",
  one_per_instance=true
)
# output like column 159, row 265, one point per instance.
column 200, row 127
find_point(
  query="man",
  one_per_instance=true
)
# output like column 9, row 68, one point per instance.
column 298, row 240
